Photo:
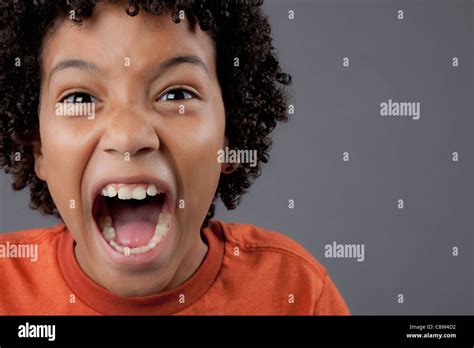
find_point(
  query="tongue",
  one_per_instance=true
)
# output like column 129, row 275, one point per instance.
column 134, row 222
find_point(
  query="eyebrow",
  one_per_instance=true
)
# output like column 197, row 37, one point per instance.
column 74, row 64
column 172, row 62
column 157, row 71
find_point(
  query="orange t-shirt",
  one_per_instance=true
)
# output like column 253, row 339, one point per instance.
column 247, row 271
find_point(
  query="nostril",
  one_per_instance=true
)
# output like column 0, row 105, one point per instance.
column 127, row 155
column 144, row 151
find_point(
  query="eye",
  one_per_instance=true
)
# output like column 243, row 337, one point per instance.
column 177, row 94
column 79, row 97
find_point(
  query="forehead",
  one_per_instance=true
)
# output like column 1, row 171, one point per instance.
column 110, row 36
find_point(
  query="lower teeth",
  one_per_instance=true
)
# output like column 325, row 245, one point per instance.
column 108, row 232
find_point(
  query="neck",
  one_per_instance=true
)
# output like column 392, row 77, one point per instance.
column 190, row 263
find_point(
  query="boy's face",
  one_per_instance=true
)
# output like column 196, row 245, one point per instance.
column 157, row 122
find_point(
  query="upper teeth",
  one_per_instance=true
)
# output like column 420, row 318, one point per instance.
column 134, row 191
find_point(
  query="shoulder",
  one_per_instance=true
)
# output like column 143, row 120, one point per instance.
column 36, row 235
column 30, row 248
column 270, row 244
column 271, row 263
column 29, row 265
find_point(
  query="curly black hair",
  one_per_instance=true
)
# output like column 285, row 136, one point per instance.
column 253, row 93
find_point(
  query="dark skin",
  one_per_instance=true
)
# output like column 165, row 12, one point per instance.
column 133, row 116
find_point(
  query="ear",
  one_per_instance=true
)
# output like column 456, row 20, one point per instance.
column 227, row 168
column 39, row 160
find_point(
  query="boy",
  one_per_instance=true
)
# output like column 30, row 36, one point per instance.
column 118, row 111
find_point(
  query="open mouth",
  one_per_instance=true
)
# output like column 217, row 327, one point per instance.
column 132, row 218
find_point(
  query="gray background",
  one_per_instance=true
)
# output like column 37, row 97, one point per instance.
column 407, row 251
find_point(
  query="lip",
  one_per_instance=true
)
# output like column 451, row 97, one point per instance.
column 138, row 179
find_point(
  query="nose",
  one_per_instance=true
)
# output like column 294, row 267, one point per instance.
column 128, row 133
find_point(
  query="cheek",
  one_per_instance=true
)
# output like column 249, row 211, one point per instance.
column 66, row 150
column 196, row 158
